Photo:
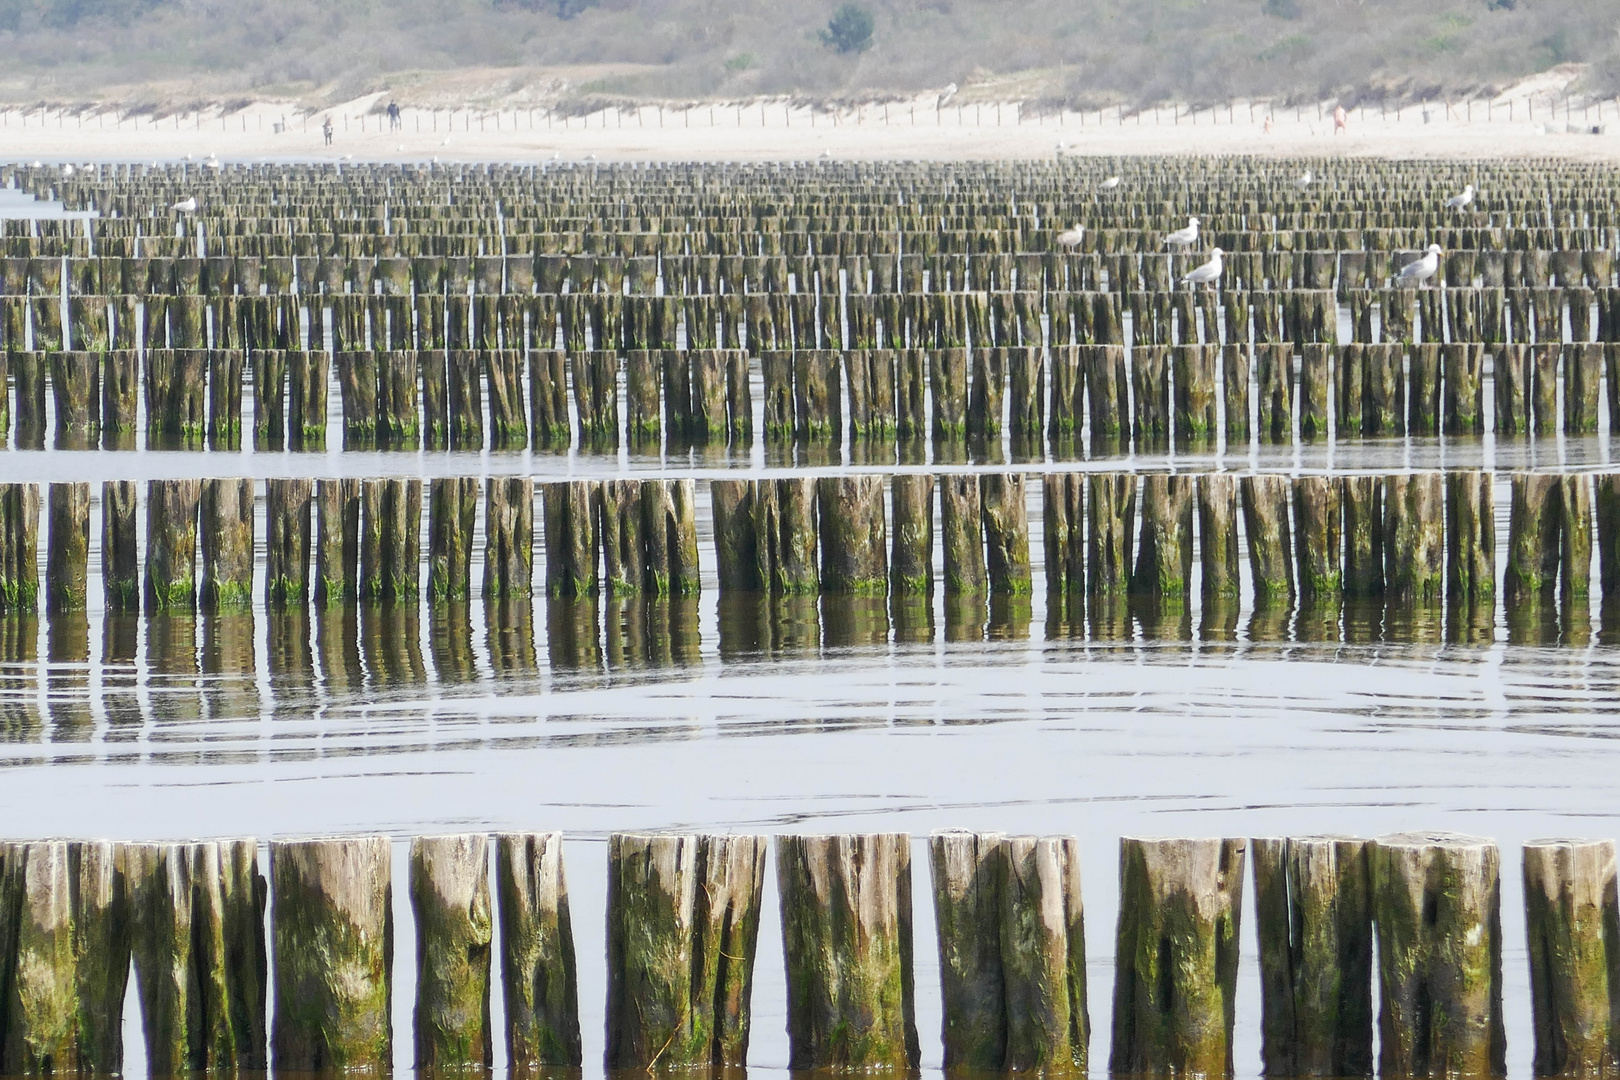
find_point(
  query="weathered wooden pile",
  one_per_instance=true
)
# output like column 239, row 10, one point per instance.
column 506, row 307
column 682, row 929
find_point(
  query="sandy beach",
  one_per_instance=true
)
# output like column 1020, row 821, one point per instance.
column 1528, row 122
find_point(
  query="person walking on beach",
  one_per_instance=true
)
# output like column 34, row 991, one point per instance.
column 1339, row 119
column 394, row 123
column 326, row 130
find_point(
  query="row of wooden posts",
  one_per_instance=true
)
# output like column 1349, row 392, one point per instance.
column 1413, row 538
column 1108, row 395
column 1127, row 268
column 683, row 915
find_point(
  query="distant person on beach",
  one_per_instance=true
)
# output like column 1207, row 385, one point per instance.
column 1339, row 119
column 394, row 123
column 1267, row 128
column 326, row 130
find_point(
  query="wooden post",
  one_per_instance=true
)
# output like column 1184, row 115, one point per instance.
column 1313, row 906
column 337, row 547
column 224, row 399
column 452, row 512
column 1151, row 391
column 19, row 548
column 65, row 953
column 269, row 398
column 669, row 525
column 1313, row 390
column 1195, row 395
column 785, row 535
column 434, row 365
column 1112, row 499
column 732, row 507
column 1464, row 406
column 306, row 419
column 227, row 543
column 75, row 379
column 287, row 504
column 1317, row 540
column 1383, row 397
column 1218, row 539
column 962, row 527
column 1437, row 907
column 683, row 926
column 508, row 538
column 399, row 418
column 197, row 916
column 1164, row 554
column 466, row 400
column 548, row 398
column 120, row 387
column 391, row 541
column 454, row 935
column 1275, row 390
column 1470, row 539
column 854, row 549
column 539, row 987
column 1265, row 525
column 1570, row 913
column 911, row 568
column 1414, row 538
column 846, row 935
column 1011, row 951
column 171, row 545
column 572, row 538
column 1176, row 956
column 1423, row 389
column 120, row 568
column 68, row 558
column 1005, row 511
column 641, row 381
column 332, row 919
column 1235, row 396
column 624, row 548
column 508, row 428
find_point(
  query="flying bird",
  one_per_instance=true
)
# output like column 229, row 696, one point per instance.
column 1109, row 184
column 1461, row 202
column 1184, row 237
column 1304, row 180
column 1207, row 274
column 1420, row 270
column 1071, row 237
column 188, row 205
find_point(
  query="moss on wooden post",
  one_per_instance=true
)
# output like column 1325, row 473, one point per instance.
column 1176, row 956
column 454, row 935
column 1575, row 546
column 306, row 415
column 641, row 382
column 508, row 426
column 1362, row 497
column 391, row 541
column 75, row 379
column 399, row 418
column 948, row 384
column 1005, row 510
column 226, row 517
column 1194, row 369
column 539, row 983
column 683, row 923
column 624, row 548
column 1464, row 404
column 846, row 935
column 1274, row 364
column 120, row 389
column 269, row 398
column 854, row 547
column 434, row 365
column 1437, row 908
column 1265, row 525
column 1217, row 538
column 224, row 399
column 1112, row 499
column 1313, row 907
column 548, row 399
column 1570, row 915
column 732, row 507
column 1470, row 539
column 120, row 567
column 19, row 548
column 171, row 545
column 332, row 919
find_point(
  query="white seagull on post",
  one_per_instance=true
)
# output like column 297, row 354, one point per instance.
column 1184, row 237
column 187, row 205
column 1207, row 274
column 1109, row 184
column 1071, row 237
column 1304, row 180
column 1460, row 202
column 1420, row 270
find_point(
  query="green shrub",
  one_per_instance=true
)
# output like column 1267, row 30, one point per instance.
column 849, row 30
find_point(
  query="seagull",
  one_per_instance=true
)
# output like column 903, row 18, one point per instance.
column 1208, row 273
column 1060, row 147
column 1184, row 237
column 1460, row 202
column 1109, row 184
column 949, row 92
column 67, row 170
column 1304, row 180
column 1418, row 271
column 1071, row 237
column 187, row 205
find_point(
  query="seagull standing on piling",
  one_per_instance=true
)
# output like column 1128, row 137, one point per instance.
column 1418, row 271
column 1461, row 202
column 1071, row 237
column 1207, row 274
column 1304, row 180
column 1109, row 184
column 187, row 205
column 1184, row 237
